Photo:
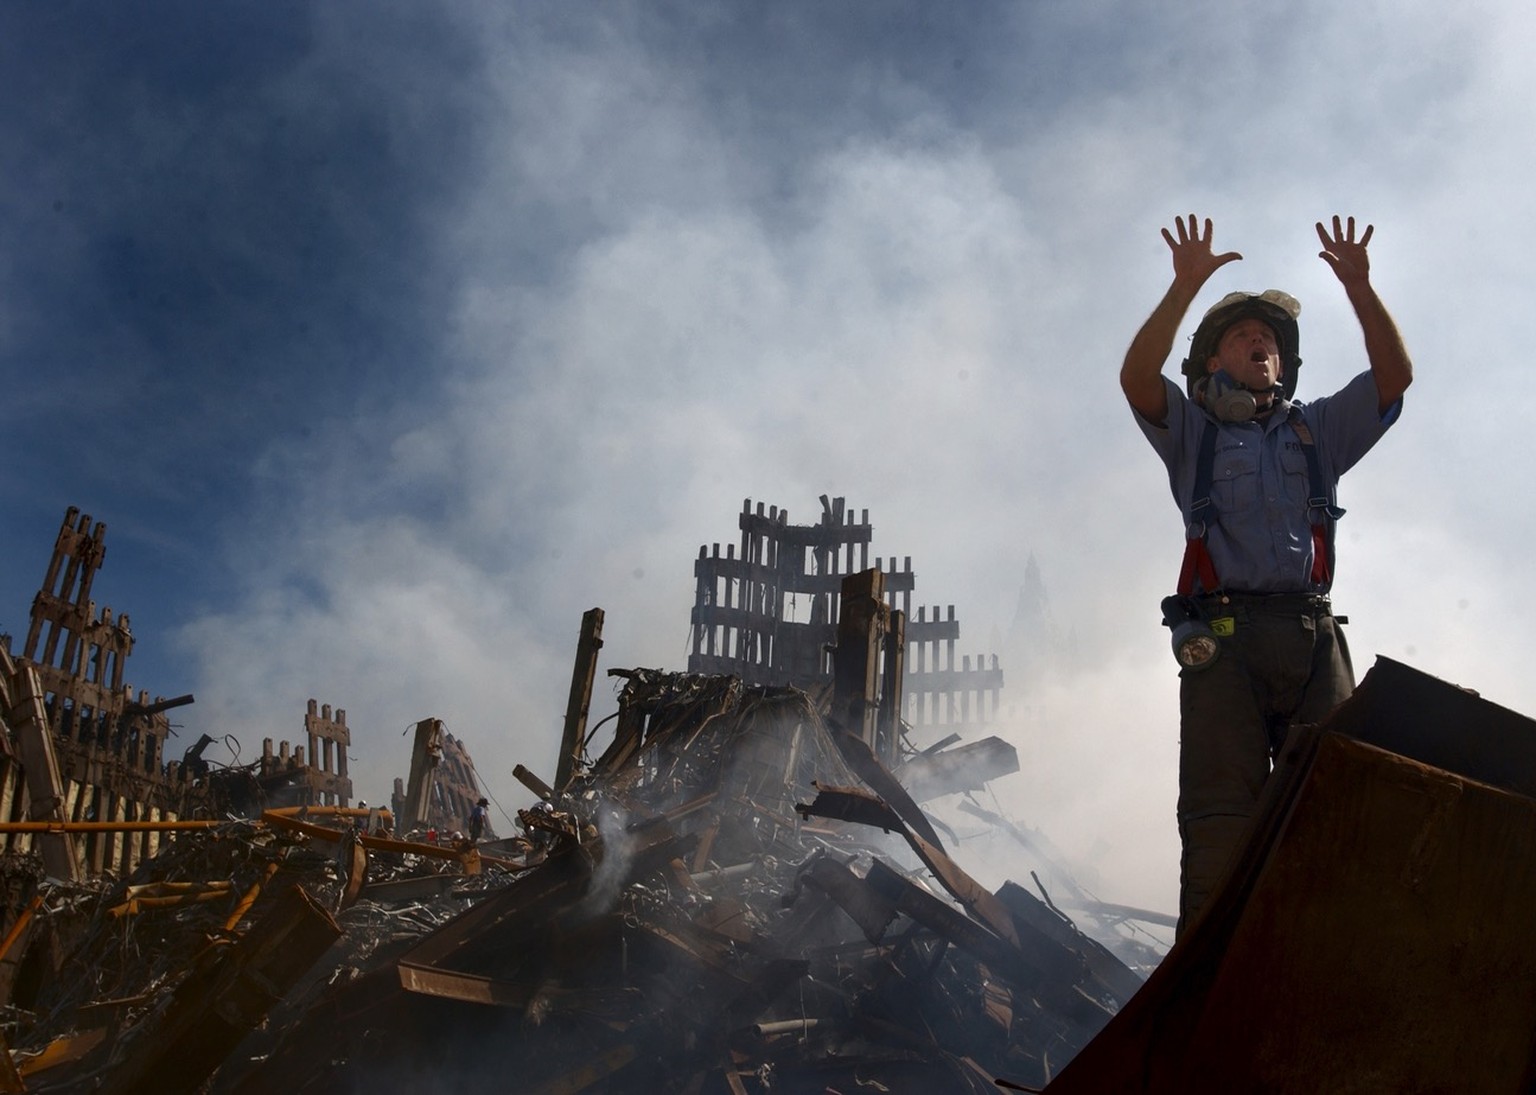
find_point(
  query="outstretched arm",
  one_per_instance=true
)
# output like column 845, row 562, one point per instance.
column 1141, row 376
column 1390, row 366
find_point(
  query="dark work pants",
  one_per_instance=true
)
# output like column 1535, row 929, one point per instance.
column 1284, row 663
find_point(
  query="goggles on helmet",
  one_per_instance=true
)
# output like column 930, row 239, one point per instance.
column 1273, row 306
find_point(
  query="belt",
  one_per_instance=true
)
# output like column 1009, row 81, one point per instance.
column 1305, row 604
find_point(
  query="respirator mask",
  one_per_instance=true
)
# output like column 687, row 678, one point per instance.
column 1228, row 400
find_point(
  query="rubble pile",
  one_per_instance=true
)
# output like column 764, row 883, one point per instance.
column 683, row 923
column 747, row 890
column 719, row 901
column 740, row 892
column 106, row 959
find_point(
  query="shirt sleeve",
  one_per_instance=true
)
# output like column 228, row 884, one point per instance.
column 1172, row 441
column 1350, row 422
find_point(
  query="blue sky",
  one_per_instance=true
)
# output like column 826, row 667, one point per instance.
column 387, row 339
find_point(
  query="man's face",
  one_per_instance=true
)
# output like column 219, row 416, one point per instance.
column 1249, row 352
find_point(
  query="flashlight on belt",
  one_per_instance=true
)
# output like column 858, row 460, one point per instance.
column 1195, row 645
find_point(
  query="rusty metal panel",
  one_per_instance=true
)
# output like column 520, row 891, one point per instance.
column 1431, row 721
column 1373, row 934
column 1419, row 919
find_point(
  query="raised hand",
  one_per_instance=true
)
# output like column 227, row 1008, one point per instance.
column 1347, row 258
column 1193, row 260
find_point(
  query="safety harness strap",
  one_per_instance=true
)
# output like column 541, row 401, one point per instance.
column 1321, row 507
column 1197, row 557
column 1320, row 503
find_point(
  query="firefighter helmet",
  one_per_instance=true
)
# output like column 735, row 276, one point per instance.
column 1274, row 307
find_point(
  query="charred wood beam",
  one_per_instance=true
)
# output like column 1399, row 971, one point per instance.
column 1049, row 973
column 879, row 778
column 856, row 661
column 468, row 858
column 45, row 785
column 444, row 963
column 861, row 807
column 582, row 674
column 888, row 724
column 132, row 709
column 533, row 782
column 224, row 998
column 967, row 768
column 872, row 912
column 1102, row 971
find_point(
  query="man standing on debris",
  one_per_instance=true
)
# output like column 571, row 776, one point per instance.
column 1253, row 473
column 477, row 818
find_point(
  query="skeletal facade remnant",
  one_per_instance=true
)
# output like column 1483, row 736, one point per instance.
column 748, row 607
column 410, row 801
column 328, row 741
column 107, row 746
column 443, row 787
column 79, row 746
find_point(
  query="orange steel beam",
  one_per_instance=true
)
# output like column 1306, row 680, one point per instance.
column 250, row 898
column 330, row 811
column 102, row 826
column 20, row 925
column 468, row 857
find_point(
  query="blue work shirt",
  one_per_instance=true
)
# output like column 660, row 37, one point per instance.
column 1260, row 533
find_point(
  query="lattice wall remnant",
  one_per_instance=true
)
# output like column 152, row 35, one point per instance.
column 79, row 653
column 318, row 777
column 108, row 745
column 107, row 759
column 768, row 614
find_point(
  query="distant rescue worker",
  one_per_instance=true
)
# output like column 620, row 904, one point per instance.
column 1253, row 471
column 477, row 818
